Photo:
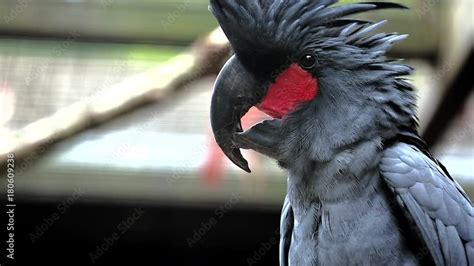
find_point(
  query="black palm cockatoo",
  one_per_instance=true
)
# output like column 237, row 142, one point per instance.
column 362, row 187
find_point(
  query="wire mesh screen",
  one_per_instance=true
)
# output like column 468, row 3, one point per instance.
column 40, row 77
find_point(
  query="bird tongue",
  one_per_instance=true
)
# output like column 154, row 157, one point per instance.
column 273, row 111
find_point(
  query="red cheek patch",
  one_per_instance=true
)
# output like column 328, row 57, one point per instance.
column 293, row 86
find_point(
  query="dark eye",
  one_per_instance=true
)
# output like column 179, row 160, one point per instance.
column 308, row 61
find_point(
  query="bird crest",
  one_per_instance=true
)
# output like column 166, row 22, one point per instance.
column 278, row 28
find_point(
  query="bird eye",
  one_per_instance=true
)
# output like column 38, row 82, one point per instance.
column 308, row 61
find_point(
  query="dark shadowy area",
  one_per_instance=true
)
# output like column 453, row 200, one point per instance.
column 160, row 236
column 452, row 101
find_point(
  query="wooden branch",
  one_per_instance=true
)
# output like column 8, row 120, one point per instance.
column 452, row 102
column 205, row 57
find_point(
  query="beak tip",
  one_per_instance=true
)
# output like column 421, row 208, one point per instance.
column 243, row 164
column 245, row 168
column 236, row 157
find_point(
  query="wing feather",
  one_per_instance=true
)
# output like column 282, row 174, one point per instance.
column 286, row 231
column 442, row 212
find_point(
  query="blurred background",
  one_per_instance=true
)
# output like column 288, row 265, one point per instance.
column 105, row 105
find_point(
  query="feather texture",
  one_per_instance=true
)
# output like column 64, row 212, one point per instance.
column 441, row 211
column 354, row 149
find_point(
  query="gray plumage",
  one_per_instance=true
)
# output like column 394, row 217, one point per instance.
column 362, row 187
column 438, row 206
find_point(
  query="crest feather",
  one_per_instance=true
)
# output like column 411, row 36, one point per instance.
column 264, row 23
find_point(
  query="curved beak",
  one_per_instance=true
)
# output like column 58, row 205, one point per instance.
column 235, row 92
